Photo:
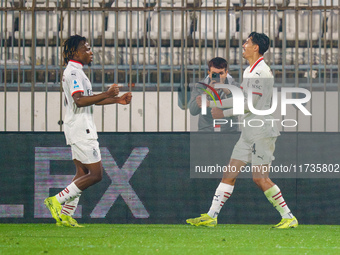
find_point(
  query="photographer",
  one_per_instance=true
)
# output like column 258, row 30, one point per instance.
column 217, row 73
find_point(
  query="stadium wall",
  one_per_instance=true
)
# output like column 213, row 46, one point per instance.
column 150, row 114
column 147, row 180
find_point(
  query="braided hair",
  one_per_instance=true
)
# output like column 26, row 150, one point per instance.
column 71, row 46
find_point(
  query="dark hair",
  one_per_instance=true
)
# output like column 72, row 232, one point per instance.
column 71, row 46
column 218, row 63
column 261, row 40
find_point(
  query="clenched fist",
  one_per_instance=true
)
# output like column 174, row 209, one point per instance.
column 126, row 98
column 113, row 90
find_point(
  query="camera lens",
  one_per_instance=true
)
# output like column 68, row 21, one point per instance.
column 215, row 76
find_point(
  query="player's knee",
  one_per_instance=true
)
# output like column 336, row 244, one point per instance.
column 96, row 177
column 259, row 181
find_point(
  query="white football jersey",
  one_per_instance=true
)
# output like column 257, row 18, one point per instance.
column 260, row 79
column 79, row 122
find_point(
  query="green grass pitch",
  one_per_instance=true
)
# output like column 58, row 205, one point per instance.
column 167, row 239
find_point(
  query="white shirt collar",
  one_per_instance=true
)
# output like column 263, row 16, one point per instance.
column 76, row 64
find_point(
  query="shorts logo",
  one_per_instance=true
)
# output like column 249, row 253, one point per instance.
column 95, row 153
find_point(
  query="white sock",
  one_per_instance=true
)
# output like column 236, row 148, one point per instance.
column 222, row 193
column 275, row 197
column 70, row 206
column 68, row 193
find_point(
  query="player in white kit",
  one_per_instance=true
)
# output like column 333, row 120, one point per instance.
column 257, row 142
column 79, row 128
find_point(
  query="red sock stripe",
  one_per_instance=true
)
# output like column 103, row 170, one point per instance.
column 276, row 194
column 222, row 202
column 284, row 205
column 228, row 193
column 282, row 202
column 66, row 190
column 61, row 194
column 64, row 212
column 278, row 197
column 68, row 207
column 226, row 196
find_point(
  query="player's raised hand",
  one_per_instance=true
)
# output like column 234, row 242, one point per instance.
column 113, row 90
column 217, row 113
column 126, row 98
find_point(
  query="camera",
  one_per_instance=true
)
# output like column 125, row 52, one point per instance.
column 216, row 77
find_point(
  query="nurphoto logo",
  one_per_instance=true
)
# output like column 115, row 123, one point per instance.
column 239, row 102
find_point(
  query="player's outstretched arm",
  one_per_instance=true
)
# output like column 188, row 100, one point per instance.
column 82, row 101
column 124, row 99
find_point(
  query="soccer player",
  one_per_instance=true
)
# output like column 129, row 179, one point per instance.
column 79, row 128
column 256, row 144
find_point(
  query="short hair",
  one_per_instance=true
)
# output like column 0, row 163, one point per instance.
column 261, row 40
column 218, row 63
column 71, row 46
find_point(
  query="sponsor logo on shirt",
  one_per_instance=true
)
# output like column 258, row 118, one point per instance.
column 75, row 84
column 256, row 86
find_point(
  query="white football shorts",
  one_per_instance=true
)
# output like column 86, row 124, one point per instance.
column 86, row 151
column 259, row 152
